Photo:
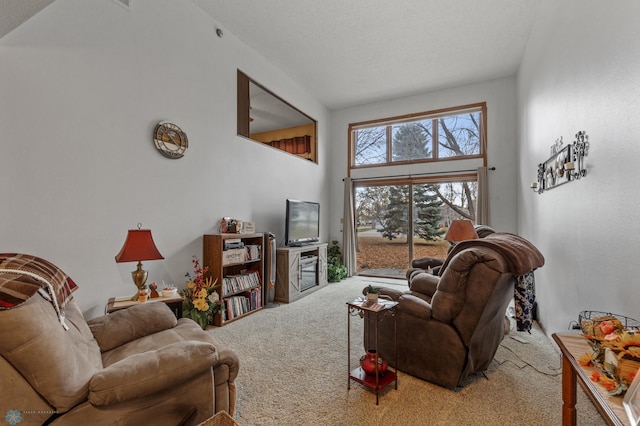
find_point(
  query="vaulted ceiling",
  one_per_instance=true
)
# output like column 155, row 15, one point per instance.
column 357, row 51
column 14, row 12
column 352, row 52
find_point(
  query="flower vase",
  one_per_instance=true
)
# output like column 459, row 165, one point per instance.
column 368, row 363
column 143, row 295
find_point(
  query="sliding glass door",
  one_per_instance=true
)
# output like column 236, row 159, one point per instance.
column 398, row 222
column 382, row 218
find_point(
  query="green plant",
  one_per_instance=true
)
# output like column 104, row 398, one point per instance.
column 336, row 271
column 373, row 290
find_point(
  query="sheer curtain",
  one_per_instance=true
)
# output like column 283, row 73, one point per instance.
column 482, row 204
column 348, row 230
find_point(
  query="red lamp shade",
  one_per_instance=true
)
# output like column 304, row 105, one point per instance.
column 138, row 246
column 461, row 230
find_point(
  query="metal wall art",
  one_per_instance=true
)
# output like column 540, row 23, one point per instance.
column 565, row 164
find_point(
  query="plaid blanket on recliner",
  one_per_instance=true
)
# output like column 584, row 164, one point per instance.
column 22, row 275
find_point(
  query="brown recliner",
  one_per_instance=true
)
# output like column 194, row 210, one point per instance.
column 432, row 265
column 450, row 326
column 136, row 366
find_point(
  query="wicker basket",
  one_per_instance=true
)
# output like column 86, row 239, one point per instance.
column 626, row 365
column 589, row 320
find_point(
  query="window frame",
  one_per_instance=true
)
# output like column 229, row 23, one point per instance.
column 434, row 115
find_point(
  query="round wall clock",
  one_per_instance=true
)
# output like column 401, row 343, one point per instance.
column 170, row 140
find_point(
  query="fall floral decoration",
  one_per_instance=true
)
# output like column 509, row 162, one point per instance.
column 200, row 300
column 615, row 356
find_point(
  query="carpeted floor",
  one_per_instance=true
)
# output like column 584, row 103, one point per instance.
column 293, row 371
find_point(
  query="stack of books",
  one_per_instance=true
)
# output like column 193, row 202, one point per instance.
column 236, row 306
column 236, row 283
column 233, row 243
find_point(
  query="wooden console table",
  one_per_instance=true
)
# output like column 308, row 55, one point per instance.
column 573, row 345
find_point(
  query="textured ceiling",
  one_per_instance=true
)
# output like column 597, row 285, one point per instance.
column 356, row 51
column 351, row 52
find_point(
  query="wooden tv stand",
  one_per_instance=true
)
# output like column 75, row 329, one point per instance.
column 300, row 271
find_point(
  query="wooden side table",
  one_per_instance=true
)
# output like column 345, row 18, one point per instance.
column 573, row 345
column 377, row 382
column 124, row 302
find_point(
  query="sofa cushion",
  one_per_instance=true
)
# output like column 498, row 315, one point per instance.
column 186, row 330
column 146, row 373
column 57, row 363
column 127, row 325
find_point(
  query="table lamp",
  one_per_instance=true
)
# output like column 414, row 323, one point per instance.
column 460, row 230
column 137, row 247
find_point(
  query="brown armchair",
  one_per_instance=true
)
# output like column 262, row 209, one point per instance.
column 131, row 367
column 450, row 326
column 432, row 265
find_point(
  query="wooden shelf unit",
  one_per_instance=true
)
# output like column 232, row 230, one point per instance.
column 247, row 294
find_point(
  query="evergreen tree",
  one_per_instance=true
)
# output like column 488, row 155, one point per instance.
column 411, row 141
column 395, row 216
column 427, row 214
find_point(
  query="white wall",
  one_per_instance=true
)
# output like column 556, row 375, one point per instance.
column 500, row 96
column 581, row 71
column 82, row 86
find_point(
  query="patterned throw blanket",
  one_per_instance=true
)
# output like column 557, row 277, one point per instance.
column 22, row 275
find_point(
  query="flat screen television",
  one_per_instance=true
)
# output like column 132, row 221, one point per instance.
column 303, row 223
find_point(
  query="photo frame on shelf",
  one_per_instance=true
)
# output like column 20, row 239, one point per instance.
column 631, row 401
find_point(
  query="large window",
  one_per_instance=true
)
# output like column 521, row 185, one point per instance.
column 406, row 188
column 453, row 133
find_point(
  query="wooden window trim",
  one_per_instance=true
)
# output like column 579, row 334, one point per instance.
column 434, row 115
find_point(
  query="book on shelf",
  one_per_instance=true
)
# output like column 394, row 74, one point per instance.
column 253, row 252
column 235, row 283
column 236, row 306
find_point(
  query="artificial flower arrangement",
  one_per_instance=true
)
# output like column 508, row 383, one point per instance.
column 615, row 355
column 200, row 300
